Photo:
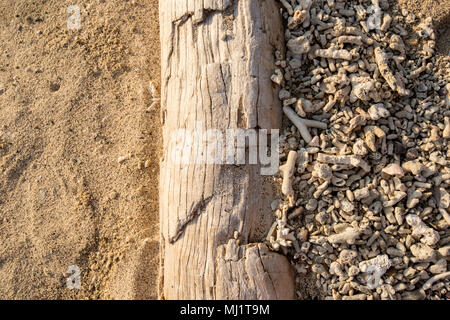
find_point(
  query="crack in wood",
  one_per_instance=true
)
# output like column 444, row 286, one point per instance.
column 195, row 210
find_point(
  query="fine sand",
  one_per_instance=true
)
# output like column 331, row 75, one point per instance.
column 71, row 103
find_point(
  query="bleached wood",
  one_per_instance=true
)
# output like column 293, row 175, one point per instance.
column 217, row 59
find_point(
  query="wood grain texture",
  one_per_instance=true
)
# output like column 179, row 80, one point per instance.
column 217, row 59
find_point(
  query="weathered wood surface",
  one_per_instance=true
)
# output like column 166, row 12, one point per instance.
column 217, row 59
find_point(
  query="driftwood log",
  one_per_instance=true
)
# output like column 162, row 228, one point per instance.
column 217, row 59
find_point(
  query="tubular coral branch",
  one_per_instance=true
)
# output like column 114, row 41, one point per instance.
column 432, row 280
column 303, row 124
column 333, row 53
column 288, row 171
column 382, row 63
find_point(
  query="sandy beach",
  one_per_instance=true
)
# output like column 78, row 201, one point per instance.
column 72, row 103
